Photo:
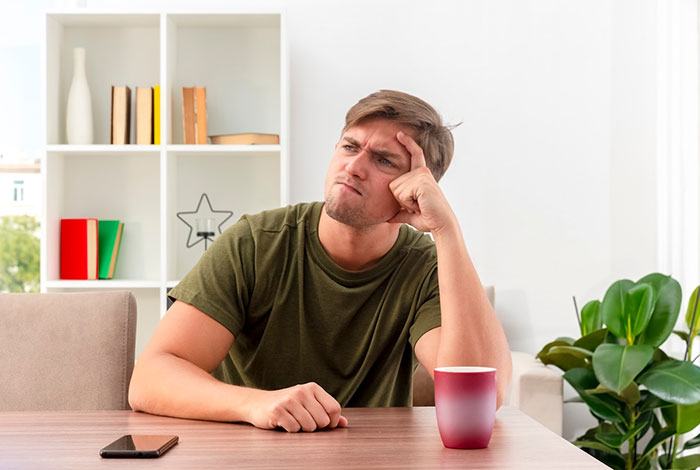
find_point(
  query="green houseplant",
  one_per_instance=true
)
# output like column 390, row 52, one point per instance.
column 643, row 399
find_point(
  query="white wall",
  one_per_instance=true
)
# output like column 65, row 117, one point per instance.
column 553, row 178
column 553, row 175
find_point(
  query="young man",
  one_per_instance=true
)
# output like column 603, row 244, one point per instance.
column 294, row 312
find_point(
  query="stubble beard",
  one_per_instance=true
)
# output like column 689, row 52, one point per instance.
column 353, row 216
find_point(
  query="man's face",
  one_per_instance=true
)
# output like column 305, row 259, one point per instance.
column 366, row 159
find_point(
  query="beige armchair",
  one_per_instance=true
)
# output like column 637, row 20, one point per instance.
column 68, row 351
column 535, row 389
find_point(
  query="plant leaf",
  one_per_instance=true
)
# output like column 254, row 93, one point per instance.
column 616, row 366
column 594, row 339
column 616, row 439
column 688, row 417
column 563, row 359
column 545, row 349
column 689, row 462
column 694, row 442
column 591, row 319
column 613, row 307
column 682, row 335
column 629, row 395
column 667, row 306
column 597, row 446
column 646, row 420
column 670, row 414
column 660, row 356
column 657, row 439
column 639, row 306
column 603, row 406
column 572, row 350
column 693, row 328
column 566, row 339
column 650, row 402
column 674, row 381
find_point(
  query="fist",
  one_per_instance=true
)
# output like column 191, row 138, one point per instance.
column 306, row 407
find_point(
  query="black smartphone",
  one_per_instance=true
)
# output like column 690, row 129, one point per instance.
column 140, row 446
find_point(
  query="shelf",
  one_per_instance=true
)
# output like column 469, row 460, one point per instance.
column 104, row 149
column 102, row 284
column 228, row 20
column 223, row 148
column 237, row 58
column 110, row 186
column 120, row 49
column 83, row 19
column 240, row 56
column 246, row 184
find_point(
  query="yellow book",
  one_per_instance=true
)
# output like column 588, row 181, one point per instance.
column 156, row 115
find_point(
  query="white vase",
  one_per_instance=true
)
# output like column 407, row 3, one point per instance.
column 79, row 107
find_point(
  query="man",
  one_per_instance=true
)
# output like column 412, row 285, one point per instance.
column 294, row 312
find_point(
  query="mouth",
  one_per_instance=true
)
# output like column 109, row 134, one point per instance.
column 349, row 187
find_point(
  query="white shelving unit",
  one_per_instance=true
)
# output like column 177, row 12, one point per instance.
column 241, row 58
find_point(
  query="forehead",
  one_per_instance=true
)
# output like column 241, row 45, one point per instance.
column 378, row 129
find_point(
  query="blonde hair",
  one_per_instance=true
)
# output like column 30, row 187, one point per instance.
column 434, row 138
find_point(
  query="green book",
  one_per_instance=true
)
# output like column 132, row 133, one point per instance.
column 110, row 237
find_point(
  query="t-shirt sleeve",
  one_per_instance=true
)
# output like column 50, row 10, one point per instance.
column 221, row 283
column 428, row 313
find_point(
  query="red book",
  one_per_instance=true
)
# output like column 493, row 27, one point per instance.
column 79, row 248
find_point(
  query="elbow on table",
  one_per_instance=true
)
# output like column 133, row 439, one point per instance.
column 504, row 373
column 137, row 391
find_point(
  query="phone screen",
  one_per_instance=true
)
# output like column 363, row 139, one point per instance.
column 139, row 446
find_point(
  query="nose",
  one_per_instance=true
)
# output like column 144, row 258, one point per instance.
column 357, row 165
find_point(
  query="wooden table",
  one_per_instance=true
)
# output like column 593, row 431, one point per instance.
column 377, row 438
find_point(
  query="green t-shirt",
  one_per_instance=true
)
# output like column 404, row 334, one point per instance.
column 298, row 317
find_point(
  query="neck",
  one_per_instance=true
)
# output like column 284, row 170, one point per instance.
column 354, row 248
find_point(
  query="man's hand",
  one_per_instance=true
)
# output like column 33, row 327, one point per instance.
column 423, row 205
column 306, row 407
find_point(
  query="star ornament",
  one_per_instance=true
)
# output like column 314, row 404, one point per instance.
column 208, row 212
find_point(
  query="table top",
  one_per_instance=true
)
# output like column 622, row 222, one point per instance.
column 376, row 438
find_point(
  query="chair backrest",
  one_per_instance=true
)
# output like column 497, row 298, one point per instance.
column 66, row 351
column 423, row 388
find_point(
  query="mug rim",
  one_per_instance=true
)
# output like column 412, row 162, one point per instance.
column 464, row 369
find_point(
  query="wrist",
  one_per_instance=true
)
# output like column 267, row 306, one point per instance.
column 244, row 403
column 449, row 231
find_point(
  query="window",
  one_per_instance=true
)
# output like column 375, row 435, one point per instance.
column 18, row 186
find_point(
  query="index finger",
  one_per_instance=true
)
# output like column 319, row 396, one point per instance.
column 417, row 157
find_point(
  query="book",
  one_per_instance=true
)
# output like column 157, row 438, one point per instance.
column 144, row 115
column 188, row 119
column 156, row 114
column 245, row 139
column 79, row 249
column 200, row 111
column 110, row 237
column 121, row 115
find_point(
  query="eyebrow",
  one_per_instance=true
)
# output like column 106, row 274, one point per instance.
column 380, row 153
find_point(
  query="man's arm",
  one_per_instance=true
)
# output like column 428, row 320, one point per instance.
column 470, row 333
column 172, row 377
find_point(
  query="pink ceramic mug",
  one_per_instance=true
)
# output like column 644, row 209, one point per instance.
column 465, row 401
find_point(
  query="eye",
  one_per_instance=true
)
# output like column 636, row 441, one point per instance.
column 385, row 162
column 348, row 148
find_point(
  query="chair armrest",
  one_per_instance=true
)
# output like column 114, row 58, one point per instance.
column 536, row 390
